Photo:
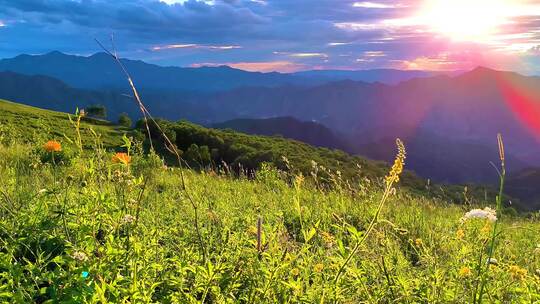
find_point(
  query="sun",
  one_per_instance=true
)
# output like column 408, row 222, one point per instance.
column 465, row 20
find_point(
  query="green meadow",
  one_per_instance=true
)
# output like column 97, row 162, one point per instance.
column 80, row 226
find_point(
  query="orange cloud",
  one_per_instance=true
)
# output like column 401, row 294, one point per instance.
column 265, row 66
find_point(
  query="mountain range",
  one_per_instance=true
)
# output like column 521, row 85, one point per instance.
column 100, row 72
column 448, row 121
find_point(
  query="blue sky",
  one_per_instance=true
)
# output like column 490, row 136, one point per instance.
column 284, row 35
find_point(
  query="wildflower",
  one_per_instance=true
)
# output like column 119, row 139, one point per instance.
column 84, row 274
column 79, row 256
column 298, row 181
column 328, row 239
column 82, row 113
column 128, row 219
column 399, row 163
column 460, row 233
column 252, row 230
column 52, row 146
column 121, row 158
column 418, row 242
column 517, row 272
column 486, row 229
column 486, row 213
column 318, row 268
column 492, row 261
column 465, row 272
column 295, row 272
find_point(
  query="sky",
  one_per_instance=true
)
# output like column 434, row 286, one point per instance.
column 284, row 35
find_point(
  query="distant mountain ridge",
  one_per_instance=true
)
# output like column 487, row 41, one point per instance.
column 386, row 76
column 99, row 71
column 52, row 94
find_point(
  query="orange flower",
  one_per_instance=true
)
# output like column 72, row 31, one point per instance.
column 52, row 146
column 121, row 158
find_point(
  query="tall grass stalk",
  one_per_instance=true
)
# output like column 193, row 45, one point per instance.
column 391, row 179
column 491, row 247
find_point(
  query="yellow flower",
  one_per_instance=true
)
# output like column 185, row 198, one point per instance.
column 418, row 242
column 399, row 163
column 328, row 239
column 486, row 230
column 252, row 230
column 121, row 158
column 460, row 233
column 517, row 272
column 52, row 146
column 295, row 272
column 318, row 267
column 465, row 272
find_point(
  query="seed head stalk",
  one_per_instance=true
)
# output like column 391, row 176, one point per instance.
column 494, row 234
column 390, row 180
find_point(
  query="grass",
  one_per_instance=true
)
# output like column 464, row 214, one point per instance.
column 95, row 231
column 30, row 124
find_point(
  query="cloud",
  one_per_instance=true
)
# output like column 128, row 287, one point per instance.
column 195, row 46
column 268, row 66
column 373, row 5
column 308, row 55
column 264, row 35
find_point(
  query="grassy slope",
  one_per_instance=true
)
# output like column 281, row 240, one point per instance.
column 66, row 234
column 29, row 124
column 159, row 258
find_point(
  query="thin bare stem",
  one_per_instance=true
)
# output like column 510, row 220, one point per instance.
column 169, row 145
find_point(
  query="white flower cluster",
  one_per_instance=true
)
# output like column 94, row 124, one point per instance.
column 486, row 213
column 79, row 256
column 128, row 219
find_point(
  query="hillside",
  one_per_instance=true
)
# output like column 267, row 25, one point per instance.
column 21, row 123
column 205, row 148
column 99, row 230
column 449, row 111
column 524, row 186
column 309, row 132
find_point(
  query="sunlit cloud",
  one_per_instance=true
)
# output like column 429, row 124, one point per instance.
column 2, row 24
column 172, row 2
column 367, row 4
column 261, row 2
column 307, row 55
column 374, row 54
column 338, row 43
column 266, row 66
column 195, row 46
column 301, row 55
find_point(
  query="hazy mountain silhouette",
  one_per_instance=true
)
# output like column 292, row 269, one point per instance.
column 50, row 93
column 387, row 76
column 99, row 71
